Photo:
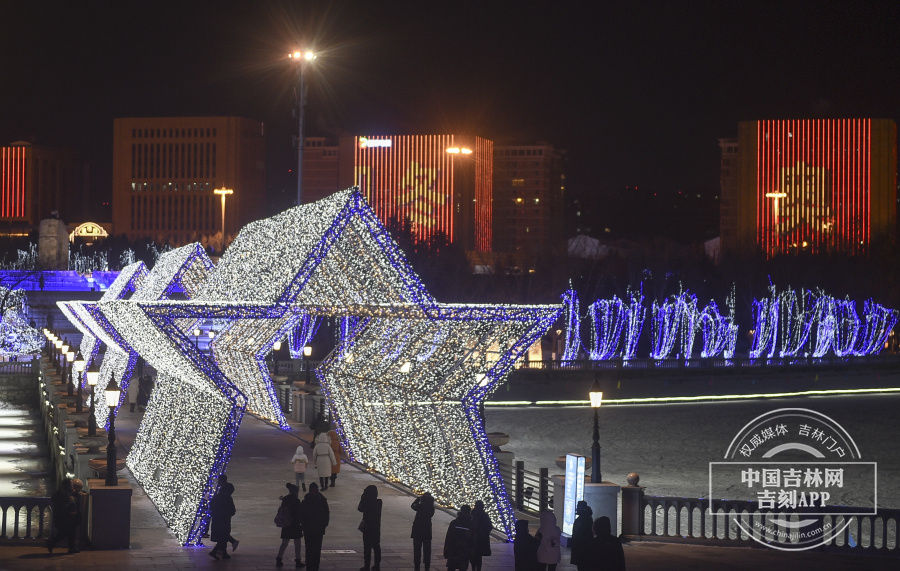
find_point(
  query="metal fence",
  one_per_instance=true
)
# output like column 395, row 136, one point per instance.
column 710, row 363
column 689, row 520
column 529, row 491
column 16, row 367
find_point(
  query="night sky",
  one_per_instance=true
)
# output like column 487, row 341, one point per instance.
column 638, row 93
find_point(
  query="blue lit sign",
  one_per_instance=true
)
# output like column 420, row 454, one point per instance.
column 574, row 492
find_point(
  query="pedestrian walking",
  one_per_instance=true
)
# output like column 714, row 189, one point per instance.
column 606, row 551
column 314, row 514
column 421, row 530
column 300, row 461
column 336, row 448
column 459, row 542
column 525, row 547
column 134, row 387
column 289, row 514
column 221, row 510
column 324, row 457
column 65, row 517
column 80, row 497
column 481, row 531
column 370, row 526
column 549, row 536
column 582, row 536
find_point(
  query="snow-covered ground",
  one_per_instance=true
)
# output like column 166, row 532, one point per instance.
column 670, row 446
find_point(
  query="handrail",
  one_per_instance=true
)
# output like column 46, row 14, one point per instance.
column 30, row 522
column 689, row 520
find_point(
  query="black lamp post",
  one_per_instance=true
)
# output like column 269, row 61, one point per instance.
column 78, row 367
column 112, row 399
column 307, row 351
column 596, row 399
column 93, row 375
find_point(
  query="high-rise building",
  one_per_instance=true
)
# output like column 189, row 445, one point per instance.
column 320, row 168
column 36, row 181
column 440, row 183
column 529, row 197
column 809, row 186
column 165, row 171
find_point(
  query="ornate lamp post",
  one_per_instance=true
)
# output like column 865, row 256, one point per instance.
column 78, row 367
column 302, row 59
column 93, row 375
column 112, row 399
column 197, row 333
column 58, row 345
column 596, row 400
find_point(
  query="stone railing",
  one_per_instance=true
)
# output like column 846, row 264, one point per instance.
column 689, row 520
column 25, row 520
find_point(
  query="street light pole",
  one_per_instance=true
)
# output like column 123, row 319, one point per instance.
column 302, row 58
column 112, row 399
column 92, row 377
column 224, row 193
column 596, row 400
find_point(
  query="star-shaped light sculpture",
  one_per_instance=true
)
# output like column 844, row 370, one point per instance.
column 329, row 258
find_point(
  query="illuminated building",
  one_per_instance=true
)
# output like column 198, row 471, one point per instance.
column 529, row 189
column 37, row 180
column 809, row 186
column 441, row 183
column 166, row 168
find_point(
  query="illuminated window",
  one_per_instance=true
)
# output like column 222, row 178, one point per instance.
column 518, row 182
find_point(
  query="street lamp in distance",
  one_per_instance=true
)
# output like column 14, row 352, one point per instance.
column 596, row 401
column 112, row 393
column 302, row 58
column 93, row 375
column 78, row 367
column 224, row 193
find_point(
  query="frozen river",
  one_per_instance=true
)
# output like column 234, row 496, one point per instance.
column 670, row 446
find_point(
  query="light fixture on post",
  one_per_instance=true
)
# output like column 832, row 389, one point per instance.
column 197, row 333
column 302, row 58
column 112, row 393
column 307, row 351
column 93, row 375
column 596, row 400
column 68, row 359
column 224, row 193
column 78, row 368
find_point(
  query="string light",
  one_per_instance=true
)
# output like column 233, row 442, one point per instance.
column 398, row 345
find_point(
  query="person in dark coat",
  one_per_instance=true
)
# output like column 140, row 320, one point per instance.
column 370, row 506
column 314, row 514
column 606, row 551
column 481, row 530
column 221, row 510
column 421, row 530
column 65, row 517
column 525, row 547
column 582, row 535
column 459, row 542
column 294, row 529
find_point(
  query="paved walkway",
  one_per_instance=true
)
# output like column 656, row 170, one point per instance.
column 259, row 468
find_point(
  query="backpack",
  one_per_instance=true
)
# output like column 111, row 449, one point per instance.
column 283, row 517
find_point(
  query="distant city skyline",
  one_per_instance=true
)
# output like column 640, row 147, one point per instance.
column 636, row 95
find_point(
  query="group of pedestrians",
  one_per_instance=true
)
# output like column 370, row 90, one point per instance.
column 467, row 540
column 593, row 545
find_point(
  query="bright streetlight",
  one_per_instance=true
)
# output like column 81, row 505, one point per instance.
column 302, row 58
column 223, row 192
column 112, row 393
column 596, row 401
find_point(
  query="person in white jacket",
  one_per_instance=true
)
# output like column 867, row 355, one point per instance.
column 324, row 457
column 548, row 553
column 299, row 462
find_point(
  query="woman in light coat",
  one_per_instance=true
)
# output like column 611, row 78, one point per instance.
column 324, row 457
column 548, row 553
column 299, row 462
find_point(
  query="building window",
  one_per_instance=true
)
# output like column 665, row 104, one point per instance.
column 518, row 182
